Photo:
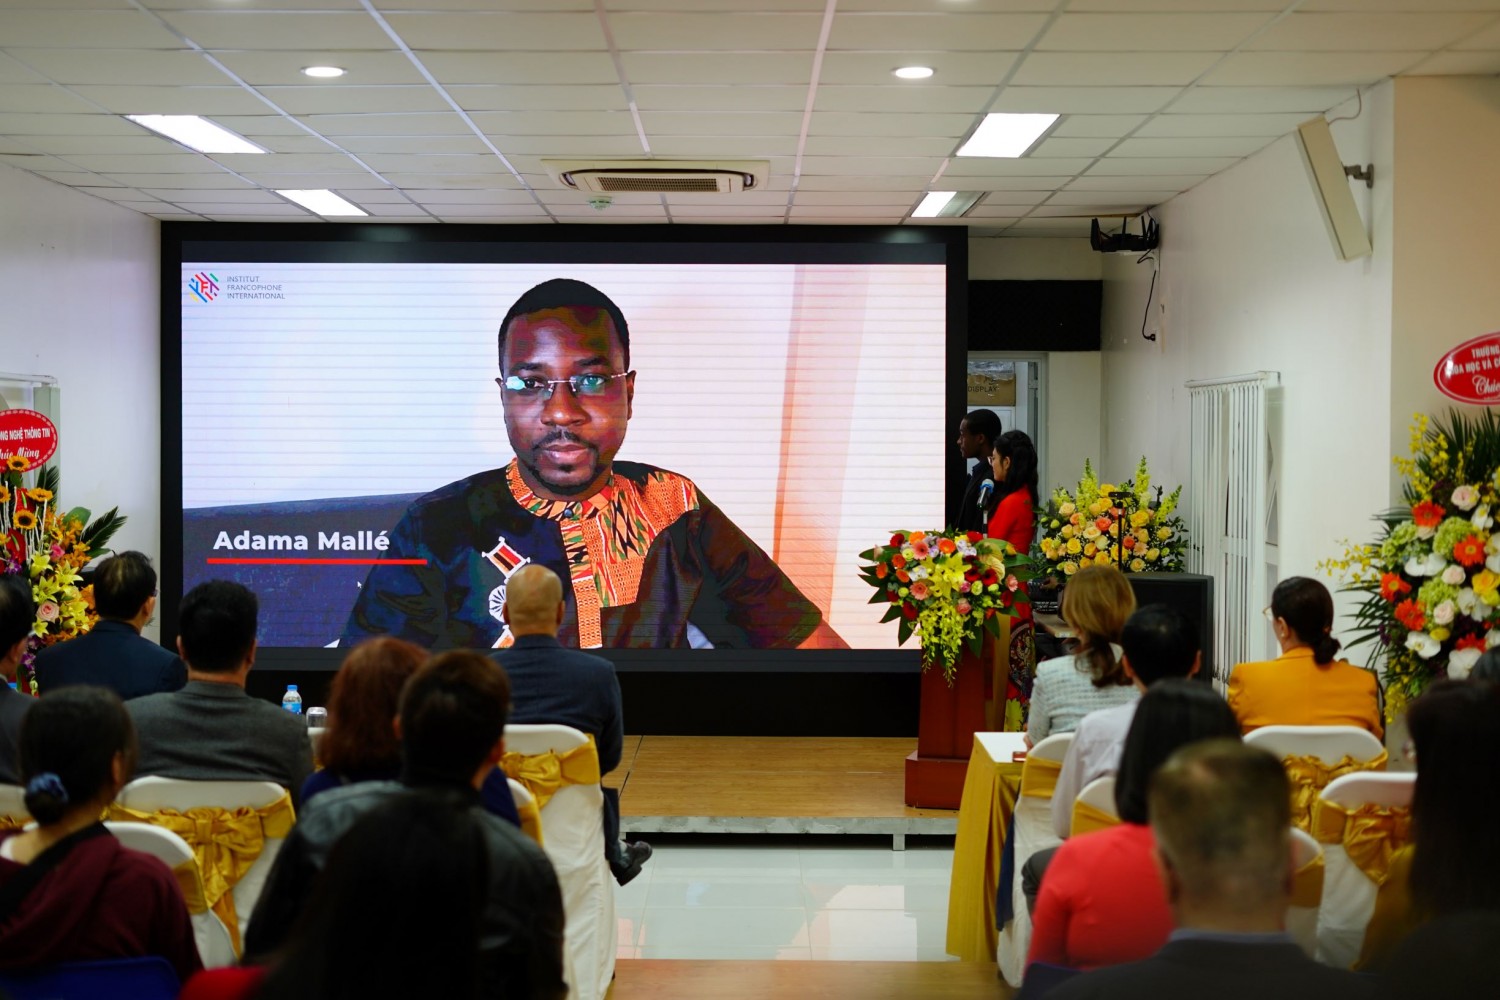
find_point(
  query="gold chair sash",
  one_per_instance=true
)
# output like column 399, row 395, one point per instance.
column 14, row 822
column 224, row 842
column 1309, row 776
column 531, row 820
column 190, row 881
column 1307, row 884
column 1039, row 777
column 545, row 774
column 1370, row 834
column 1089, row 819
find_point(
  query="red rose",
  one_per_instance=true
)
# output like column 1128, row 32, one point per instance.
column 971, row 575
column 908, row 611
column 974, row 536
column 898, row 539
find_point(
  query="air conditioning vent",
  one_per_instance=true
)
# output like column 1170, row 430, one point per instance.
column 658, row 176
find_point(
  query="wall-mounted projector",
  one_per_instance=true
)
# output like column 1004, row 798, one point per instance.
column 1149, row 238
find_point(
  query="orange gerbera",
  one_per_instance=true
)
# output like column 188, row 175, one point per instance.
column 1392, row 587
column 1427, row 514
column 946, row 546
column 1469, row 552
column 1409, row 613
column 881, row 572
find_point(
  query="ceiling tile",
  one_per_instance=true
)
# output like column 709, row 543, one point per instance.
column 918, row 183
column 253, row 213
column 142, row 144
column 41, row 98
column 491, row 196
column 1085, row 100
column 361, row 144
column 1259, row 100
column 417, row 163
column 999, row 183
column 121, row 67
column 1366, row 32
column 1077, row 32
column 1489, row 39
column 165, row 5
column 509, row 210
column 39, row 162
column 762, row 198
column 500, row 31
column 1174, row 125
column 337, row 181
column 1146, row 166
column 922, row 100
column 1184, row 6
column 691, row 32
column 597, row 97
column 269, row 69
column 1026, row 166
column 162, row 163
column 721, row 147
column 1050, row 227
column 1459, row 64
column 1309, row 69
column 1158, row 182
column 502, row 123
column 1074, row 147
column 571, row 146
column 955, row 6
column 1234, row 146
column 1001, row 202
column 850, row 123
column 1398, row 5
column 329, row 161
column 197, row 182
column 242, row 196
column 729, row 68
column 855, row 145
column 650, row 97
column 101, row 29
column 266, row 123
column 848, row 214
column 404, row 125
column 95, row 124
column 732, row 211
column 13, row 71
column 520, row 68
column 951, row 69
column 1090, row 126
column 240, row 29
column 435, row 182
column 317, row 100
column 1089, row 69
column 751, row 123
column 208, row 101
column 858, row 166
column 301, row 143
column 890, row 199
column 943, row 31
column 1131, row 196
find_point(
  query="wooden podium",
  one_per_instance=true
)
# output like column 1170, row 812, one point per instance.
column 950, row 716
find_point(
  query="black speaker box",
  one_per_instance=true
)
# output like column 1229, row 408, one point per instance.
column 1190, row 593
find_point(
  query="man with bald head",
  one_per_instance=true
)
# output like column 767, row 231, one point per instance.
column 550, row 683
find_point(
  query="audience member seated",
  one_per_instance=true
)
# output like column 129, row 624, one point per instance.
column 1221, row 815
column 396, row 913
column 1487, row 667
column 1159, row 643
column 17, row 616
column 212, row 730
column 113, row 653
column 550, row 684
column 1096, row 603
column 69, row 891
column 360, row 741
column 1450, row 958
column 1305, row 685
column 1451, row 866
column 452, row 729
column 1101, row 900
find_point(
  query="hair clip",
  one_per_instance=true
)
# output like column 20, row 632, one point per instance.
column 48, row 783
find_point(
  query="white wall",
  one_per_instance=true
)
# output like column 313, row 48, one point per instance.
column 79, row 301
column 1000, row 258
column 1249, row 281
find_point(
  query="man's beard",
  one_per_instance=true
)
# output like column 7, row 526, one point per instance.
column 566, row 489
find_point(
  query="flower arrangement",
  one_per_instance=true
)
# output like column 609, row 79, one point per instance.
column 947, row 588
column 1104, row 523
column 49, row 548
column 1431, row 578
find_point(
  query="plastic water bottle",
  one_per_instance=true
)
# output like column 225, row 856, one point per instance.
column 292, row 701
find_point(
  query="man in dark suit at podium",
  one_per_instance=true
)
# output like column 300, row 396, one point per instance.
column 114, row 654
column 977, row 433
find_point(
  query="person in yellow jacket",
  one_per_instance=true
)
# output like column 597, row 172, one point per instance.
column 1305, row 685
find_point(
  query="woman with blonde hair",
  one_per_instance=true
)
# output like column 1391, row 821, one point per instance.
column 1095, row 605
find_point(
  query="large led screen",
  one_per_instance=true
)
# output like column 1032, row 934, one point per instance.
column 698, row 449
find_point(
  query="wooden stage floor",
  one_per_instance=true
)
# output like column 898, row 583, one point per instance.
column 752, row 784
column 685, row 979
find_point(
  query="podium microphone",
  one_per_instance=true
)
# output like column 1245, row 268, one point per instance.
column 985, row 489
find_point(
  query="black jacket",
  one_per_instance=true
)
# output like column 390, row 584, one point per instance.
column 112, row 655
column 970, row 517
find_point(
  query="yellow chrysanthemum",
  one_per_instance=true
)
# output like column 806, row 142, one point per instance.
column 24, row 520
column 18, row 463
column 39, row 495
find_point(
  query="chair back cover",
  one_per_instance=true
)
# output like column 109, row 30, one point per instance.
column 1314, row 756
column 527, row 809
column 13, row 814
column 150, row 978
column 1094, row 809
column 247, row 822
column 215, row 948
column 1033, row 832
column 1307, row 891
column 1361, row 820
column 559, row 767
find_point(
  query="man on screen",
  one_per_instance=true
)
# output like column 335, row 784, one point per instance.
column 645, row 558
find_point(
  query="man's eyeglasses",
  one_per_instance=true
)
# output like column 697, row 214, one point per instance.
column 529, row 387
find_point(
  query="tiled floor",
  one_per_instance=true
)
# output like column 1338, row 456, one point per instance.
column 815, row 898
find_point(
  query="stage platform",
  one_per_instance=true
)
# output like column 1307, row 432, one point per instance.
column 752, row 784
column 685, row 979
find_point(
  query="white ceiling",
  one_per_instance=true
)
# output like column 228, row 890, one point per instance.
column 450, row 106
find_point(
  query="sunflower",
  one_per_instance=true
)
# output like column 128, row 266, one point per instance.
column 4, row 493
column 39, row 495
column 25, row 520
column 18, row 463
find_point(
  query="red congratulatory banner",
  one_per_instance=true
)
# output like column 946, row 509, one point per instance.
column 29, row 434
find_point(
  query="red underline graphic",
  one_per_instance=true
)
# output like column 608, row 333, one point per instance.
column 316, row 562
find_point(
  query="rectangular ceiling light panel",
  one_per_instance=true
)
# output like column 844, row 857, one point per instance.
column 932, row 204
column 1007, row 135
column 196, row 133
column 323, row 202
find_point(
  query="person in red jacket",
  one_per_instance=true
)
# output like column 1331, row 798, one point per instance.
column 1014, row 463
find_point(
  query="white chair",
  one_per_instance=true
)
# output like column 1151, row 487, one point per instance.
column 1307, row 891
column 526, row 808
column 1330, row 744
column 1095, row 809
column 1348, row 893
column 573, row 837
column 214, row 946
column 153, row 794
column 13, row 806
column 1033, row 832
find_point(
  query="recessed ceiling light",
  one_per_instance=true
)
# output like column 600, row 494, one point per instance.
column 932, row 204
column 197, row 133
column 913, row 72
column 323, row 72
column 323, row 202
column 1006, row 135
